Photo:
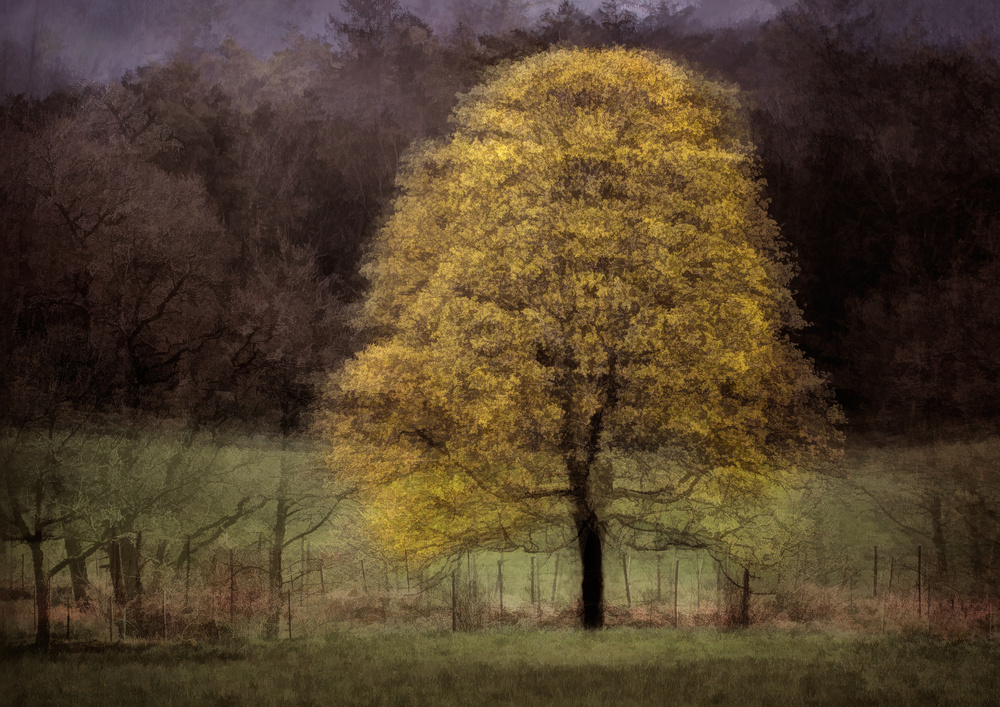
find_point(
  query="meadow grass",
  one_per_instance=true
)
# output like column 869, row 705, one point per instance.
column 558, row 667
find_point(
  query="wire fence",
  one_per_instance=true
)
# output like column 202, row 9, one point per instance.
column 232, row 592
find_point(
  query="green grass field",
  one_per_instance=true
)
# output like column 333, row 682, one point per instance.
column 369, row 639
column 564, row 667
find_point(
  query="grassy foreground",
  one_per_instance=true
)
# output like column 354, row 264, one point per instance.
column 623, row 666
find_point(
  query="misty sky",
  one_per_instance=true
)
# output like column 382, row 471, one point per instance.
column 97, row 40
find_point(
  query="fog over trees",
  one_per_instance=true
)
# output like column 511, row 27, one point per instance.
column 47, row 42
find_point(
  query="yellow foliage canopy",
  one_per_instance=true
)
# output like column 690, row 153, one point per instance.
column 579, row 298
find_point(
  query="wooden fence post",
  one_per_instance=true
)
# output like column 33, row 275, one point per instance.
column 308, row 565
column 232, row 585
column 555, row 581
column 500, row 582
column 472, row 580
column 304, row 568
column 628, row 591
column 138, row 571
column 875, row 575
column 118, row 579
column 533, row 602
column 659, row 593
column 888, row 589
column 677, row 570
column 454, row 601
column 187, row 573
column 701, row 561
column 920, row 588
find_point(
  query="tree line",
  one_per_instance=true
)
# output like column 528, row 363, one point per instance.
column 877, row 148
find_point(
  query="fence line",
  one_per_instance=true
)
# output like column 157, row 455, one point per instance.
column 226, row 590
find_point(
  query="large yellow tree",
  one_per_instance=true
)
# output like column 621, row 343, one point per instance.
column 579, row 309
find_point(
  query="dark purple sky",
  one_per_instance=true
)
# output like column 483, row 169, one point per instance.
column 100, row 39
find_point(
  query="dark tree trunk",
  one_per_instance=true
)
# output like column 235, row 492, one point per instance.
column 123, row 562
column 159, row 558
column 77, row 569
column 732, row 595
column 744, row 617
column 589, row 540
column 977, row 524
column 274, row 565
column 976, row 559
column 721, row 595
column 137, row 566
column 580, row 448
column 43, row 629
column 138, row 609
column 115, row 571
column 592, row 561
column 126, row 579
column 937, row 537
